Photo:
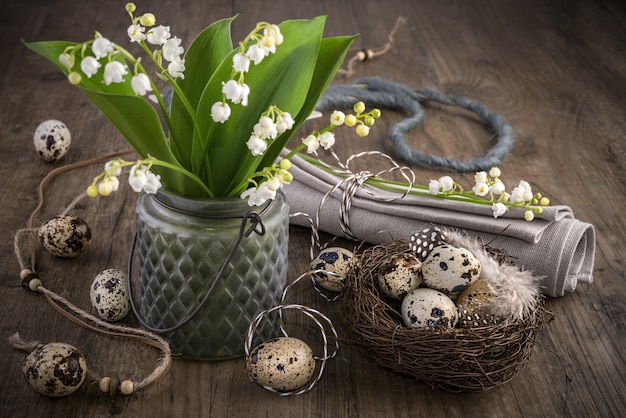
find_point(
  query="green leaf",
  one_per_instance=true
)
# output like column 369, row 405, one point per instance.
column 282, row 79
column 204, row 55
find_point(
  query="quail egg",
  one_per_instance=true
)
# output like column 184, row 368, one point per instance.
column 283, row 364
column 109, row 295
column 450, row 269
column 55, row 369
column 336, row 260
column 428, row 308
column 400, row 275
column 52, row 140
column 473, row 305
column 65, row 236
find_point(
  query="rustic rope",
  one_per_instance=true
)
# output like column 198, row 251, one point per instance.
column 31, row 280
column 367, row 53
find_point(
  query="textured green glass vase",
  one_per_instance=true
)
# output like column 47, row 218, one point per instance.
column 181, row 245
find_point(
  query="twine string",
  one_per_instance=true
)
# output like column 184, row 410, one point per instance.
column 70, row 311
column 319, row 319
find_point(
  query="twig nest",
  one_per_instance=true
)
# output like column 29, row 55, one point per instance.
column 65, row 236
column 109, row 295
column 428, row 308
column 282, row 364
column 400, row 275
column 52, row 140
column 55, row 369
column 450, row 269
column 474, row 305
column 335, row 260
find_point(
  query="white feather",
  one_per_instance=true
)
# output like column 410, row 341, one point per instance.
column 516, row 291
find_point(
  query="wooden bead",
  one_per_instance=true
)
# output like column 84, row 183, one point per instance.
column 127, row 387
column 104, row 384
column 113, row 386
column 30, row 279
column 34, row 284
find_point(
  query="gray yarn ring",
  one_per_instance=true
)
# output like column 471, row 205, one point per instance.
column 391, row 95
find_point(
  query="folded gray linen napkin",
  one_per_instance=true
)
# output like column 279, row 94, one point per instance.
column 555, row 246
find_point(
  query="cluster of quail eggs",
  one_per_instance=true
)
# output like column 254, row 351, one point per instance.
column 437, row 284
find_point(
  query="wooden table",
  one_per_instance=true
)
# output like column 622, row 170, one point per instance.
column 554, row 70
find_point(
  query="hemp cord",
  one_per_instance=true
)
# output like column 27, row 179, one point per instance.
column 72, row 312
column 366, row 53
column 392, row 95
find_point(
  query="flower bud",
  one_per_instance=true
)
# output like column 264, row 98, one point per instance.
column 147, row 20
column 350, row 120
column 369, row 120
column 359, row 107
column 92, row 191
column 529, row 215
column 375, row 113
column 362, row 130
column 74, row 78
column 285, row 164
column 130, row 7
column 494, row 172
column 544, row 201
column 284, row 176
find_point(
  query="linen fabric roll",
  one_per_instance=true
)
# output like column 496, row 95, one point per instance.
column 555, row 246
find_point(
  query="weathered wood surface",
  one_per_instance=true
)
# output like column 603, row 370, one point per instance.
column 555, row 70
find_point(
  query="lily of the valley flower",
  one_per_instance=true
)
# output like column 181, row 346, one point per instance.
column 172, row 50
column 521, row 193
column 312, row 143
column 241, row 63
column 158, row 35
column 220, row 112
column 256, row 196
column 498, row 209
column 489, row 184
column 236, row 92
column 108, row 186
column 89, row 65
column 141, row 178
column 101, row 47
column 141, row 84
column 256, row 145
column 114, row 72
column 136, row 33
column 176, row 68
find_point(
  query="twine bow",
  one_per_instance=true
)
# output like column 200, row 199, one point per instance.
column 356, row 181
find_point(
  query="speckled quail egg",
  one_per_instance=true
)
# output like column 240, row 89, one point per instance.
column 423, row 242
column 65, row 236
column 109, row 295
column 400, row 275
column 428, row 308
column 52, row 140
column 450, row 269
column 283, row 364
column 473, row 305
column 55, row 369
column 336, row 260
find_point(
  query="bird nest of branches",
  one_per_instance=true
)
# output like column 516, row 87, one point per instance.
column 453, row 359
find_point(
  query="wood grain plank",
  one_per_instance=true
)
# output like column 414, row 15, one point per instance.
column 554, row 70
